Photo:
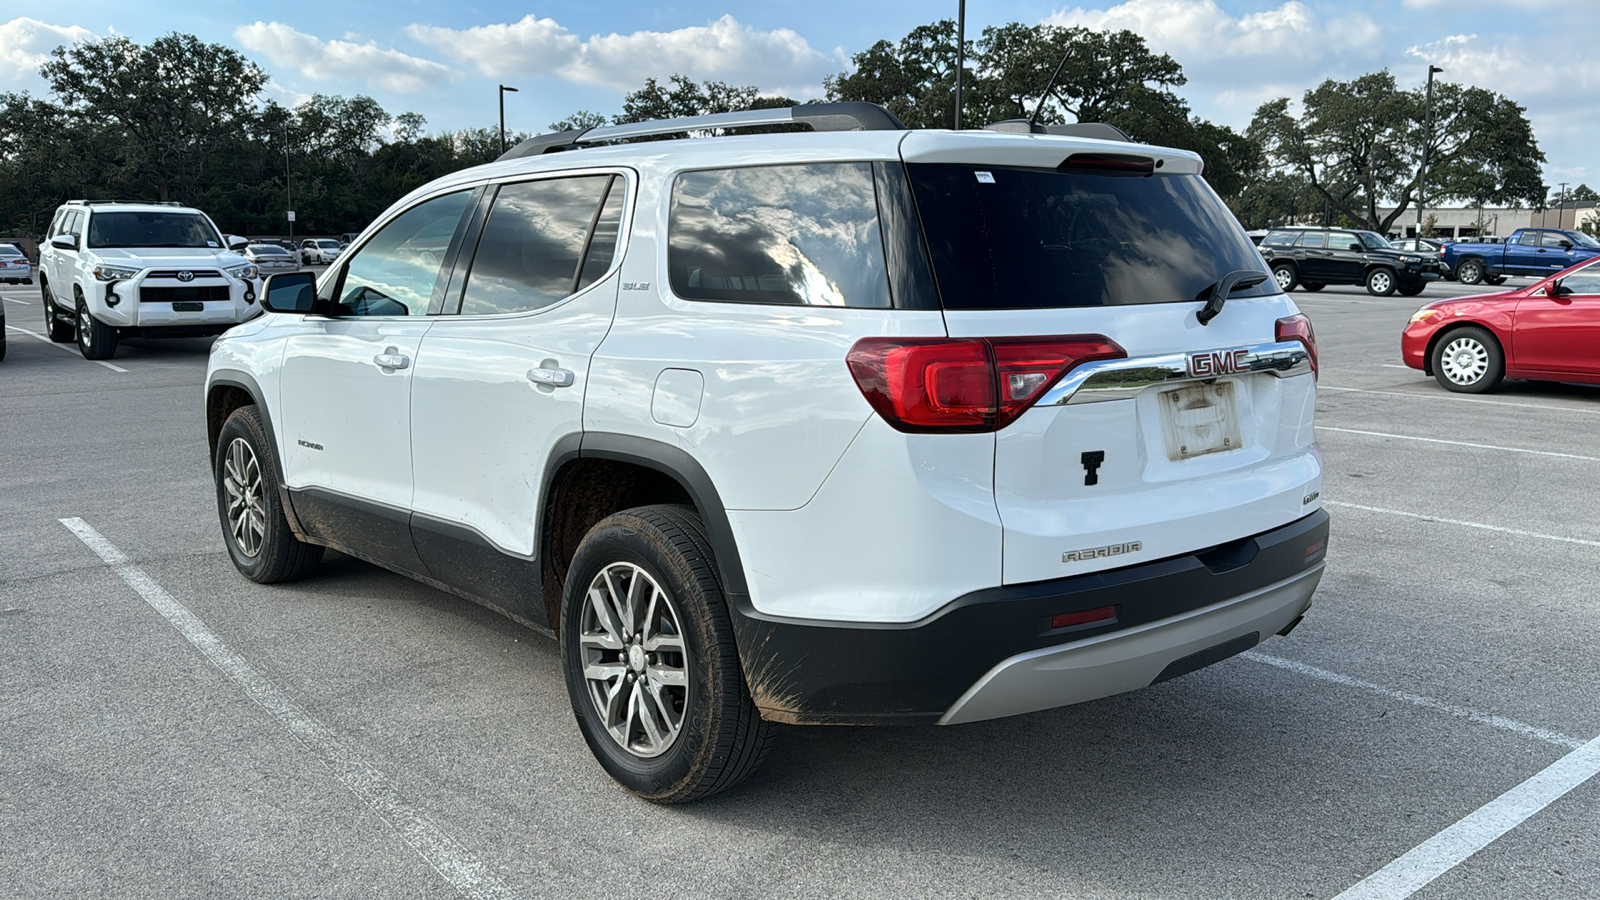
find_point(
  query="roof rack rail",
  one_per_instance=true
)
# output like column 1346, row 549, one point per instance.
column 850, row 115
column 131, row 202
column 1097, row 130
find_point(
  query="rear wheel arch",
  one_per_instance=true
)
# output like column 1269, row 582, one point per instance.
column 598, row 474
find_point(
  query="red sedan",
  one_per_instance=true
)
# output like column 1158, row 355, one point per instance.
column 1548, row 331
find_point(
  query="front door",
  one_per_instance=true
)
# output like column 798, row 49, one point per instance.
column 1347, row 259
column 500, row 380
column 1561, row 333
column 346, row 386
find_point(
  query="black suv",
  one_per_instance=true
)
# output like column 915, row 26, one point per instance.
column 1313, row 257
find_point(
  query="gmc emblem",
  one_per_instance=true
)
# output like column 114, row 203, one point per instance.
column 1218, row 362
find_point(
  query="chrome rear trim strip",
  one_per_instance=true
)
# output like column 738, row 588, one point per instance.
column 1123, row 379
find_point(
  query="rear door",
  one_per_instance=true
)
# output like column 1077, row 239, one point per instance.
column 1522, row 255
column 1168, row 451
column 501, row 377
column 1311, row 251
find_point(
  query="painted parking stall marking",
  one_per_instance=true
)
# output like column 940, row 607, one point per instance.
column 1480, row 828
column 1422, row 395
column 457, row 865
column 1407, row 437
column 65, row 347
column 1464, row 524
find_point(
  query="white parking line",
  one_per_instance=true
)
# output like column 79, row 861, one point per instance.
column 1460, row 712
column 23, row 302
column 1419, row 395
column 1478, row 829
column 1427, row 518
column 455, row 863
column 66, row 348
column 1407, row 437
column 1395, row 366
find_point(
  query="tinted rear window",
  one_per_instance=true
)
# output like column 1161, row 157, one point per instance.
column 1010, row 238
column 804, row 235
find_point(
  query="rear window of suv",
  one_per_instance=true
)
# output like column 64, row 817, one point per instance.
column 1014, row 238
column 796, row 235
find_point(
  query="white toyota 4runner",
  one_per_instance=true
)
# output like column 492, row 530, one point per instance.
column 109, row 270
column 856, row 426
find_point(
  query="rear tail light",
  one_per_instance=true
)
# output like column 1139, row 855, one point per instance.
column 922, row 385
column 1298, row 328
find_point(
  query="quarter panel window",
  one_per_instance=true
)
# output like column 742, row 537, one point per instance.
column 532, row 244
column 394, row 273
column 603, row 244
column 796, row 235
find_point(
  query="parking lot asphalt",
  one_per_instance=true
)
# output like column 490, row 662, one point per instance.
column 170, row 729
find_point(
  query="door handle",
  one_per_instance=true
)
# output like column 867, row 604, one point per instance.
column 391, row 358
column 551, row 377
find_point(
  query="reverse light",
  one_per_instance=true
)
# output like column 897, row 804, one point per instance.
column 1298, row 328
column 922, row 385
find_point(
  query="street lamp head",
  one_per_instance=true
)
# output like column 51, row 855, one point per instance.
column 1434, row 70
column 505, row 88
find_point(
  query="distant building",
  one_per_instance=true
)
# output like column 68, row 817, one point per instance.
column 1461, row 223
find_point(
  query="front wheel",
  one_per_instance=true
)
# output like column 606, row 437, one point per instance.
column 648, row 653
column 254, row 527
column 1380, row 282
column 1286, row 276
column 1470, row 271
column 96, row 340
column 1468, row 361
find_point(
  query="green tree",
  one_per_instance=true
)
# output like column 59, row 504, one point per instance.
column 914, row 79
column 1359, row 145
column 173, row 103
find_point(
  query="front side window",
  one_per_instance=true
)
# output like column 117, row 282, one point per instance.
column 394, row 273
column 152, row 229
column 1586, row 281
column 1375, row 242
column 1343, row 240
column 533, row 242
column 795, row 235
column 1554, row 240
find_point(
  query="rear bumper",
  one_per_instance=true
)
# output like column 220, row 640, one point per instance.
column 994, row 653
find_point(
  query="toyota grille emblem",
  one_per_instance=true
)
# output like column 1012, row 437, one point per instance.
column 186, row 275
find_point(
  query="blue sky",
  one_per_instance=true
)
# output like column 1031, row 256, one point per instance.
column 445, row 59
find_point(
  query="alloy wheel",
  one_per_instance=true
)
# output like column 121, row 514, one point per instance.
column 247, row 515
column 635, row 661
column 1464, row 361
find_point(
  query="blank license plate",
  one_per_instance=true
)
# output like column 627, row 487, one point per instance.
column 188, row 306
column 1200, row 419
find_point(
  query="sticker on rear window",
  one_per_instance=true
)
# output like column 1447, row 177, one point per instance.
column 985, row 177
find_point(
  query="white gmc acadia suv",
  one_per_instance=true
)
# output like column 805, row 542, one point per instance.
column 109, row 270
column 856, row 426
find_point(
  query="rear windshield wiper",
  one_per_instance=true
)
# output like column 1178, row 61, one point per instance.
column 1237, row 280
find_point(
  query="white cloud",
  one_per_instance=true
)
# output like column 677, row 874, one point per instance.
column 25, row 45
column 342, row 60
column 779, row 61
column 1197, row 30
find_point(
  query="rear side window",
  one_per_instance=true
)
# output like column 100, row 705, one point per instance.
column 532, row 244
column 1279, row 239
column 796, row 235
column 1313, row 239
column 1013, row 238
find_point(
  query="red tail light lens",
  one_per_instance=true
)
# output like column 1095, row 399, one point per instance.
column 1298, row 328
column 924, row 385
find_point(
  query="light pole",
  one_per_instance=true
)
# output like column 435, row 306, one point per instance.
column 503, row 90
column 961, row 54
column 1427, row 145
column 288, row 181
column 1561, row 206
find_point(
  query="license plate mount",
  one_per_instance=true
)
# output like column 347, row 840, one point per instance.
column 1198, row 419
column 188, row 306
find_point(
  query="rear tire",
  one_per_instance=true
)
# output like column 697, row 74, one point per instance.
column 648, row 653
column 96, row 340
column 1380, row 282
column 57, row 330
column 1468, row 360
column 1494, row 279
column 249, row 505
column 1470, row 271
column 1286, row 276
column 1412, row 291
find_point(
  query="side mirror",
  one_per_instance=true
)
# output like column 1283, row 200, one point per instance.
column 289, row 292
column 1354, row 246
column 237, row 243
column 64, row 242
column 1566, row 245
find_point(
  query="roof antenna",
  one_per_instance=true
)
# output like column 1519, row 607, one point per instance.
column 1034, row 119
